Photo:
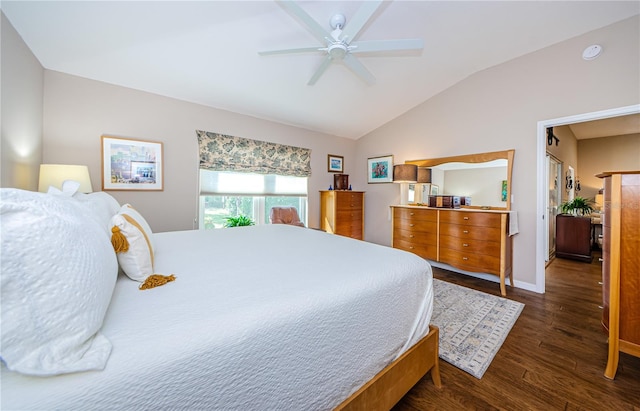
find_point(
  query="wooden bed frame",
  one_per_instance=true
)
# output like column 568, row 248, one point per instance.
column 384, row 390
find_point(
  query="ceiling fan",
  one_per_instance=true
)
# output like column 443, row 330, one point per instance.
column 339, row 45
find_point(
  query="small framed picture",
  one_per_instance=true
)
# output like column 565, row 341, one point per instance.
column 132, row 165
column 503, row 197
column 433, row 190
column 335, row 164
column 380, row 169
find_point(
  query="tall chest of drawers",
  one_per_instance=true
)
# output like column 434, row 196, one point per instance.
column 621, row 266
column 467, row 239
column 342, row 212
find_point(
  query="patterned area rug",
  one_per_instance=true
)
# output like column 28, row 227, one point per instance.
column 473, row 325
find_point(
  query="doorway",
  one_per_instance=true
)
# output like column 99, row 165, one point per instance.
column 542, row 196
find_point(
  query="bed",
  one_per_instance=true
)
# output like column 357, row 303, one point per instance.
column 260, row 317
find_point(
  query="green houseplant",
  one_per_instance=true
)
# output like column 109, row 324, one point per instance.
column 578, row 206
column 238, row 221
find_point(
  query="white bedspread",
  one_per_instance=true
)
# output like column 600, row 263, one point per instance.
column 270, row 317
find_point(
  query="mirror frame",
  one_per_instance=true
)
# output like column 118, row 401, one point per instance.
column 475, row 158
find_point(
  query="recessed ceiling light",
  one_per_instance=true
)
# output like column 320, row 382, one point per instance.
column 591, row 52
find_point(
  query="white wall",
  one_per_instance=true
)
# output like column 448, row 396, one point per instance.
column 78, row 111
column 22, row 82
column 596, row 155
column 498, row 109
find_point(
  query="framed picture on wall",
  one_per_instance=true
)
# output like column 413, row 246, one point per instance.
column 380, row 169
column 132, row 165
column 433, row 190
column 335, row 164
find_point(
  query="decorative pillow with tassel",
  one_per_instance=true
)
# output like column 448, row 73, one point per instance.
column 132, row 240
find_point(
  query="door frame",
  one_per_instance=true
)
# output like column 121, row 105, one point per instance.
column 541, row 223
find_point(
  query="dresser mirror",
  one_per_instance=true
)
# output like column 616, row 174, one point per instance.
column 484, row 177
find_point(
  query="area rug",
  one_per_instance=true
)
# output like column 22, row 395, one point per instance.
column 473, row 325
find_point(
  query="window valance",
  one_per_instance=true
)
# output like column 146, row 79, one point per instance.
column 220, row 152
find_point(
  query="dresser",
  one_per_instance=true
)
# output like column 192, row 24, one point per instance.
column 468, row 239
column 342, row 213
column 621, row 265
column 573, row 237
column 416, row 230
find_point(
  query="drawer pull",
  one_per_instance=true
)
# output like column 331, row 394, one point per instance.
column 410, row 213
column 600, row 259
column 465, row 258
column 465, row 245
column 411, row 247
column 465, row 218
column 600, row 307
column 410, row 235
column 411, row 225
column 465, row 231
column 599, row 282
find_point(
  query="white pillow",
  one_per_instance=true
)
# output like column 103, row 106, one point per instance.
column 103, row 205
column 58, row 275
column 137, row 261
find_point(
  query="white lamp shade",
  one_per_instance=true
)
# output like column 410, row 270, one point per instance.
column 55, row 174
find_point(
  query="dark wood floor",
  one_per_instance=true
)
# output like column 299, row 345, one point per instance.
column 553, row 359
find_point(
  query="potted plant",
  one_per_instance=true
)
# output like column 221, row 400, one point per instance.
column 578, row 206
column 238, row 221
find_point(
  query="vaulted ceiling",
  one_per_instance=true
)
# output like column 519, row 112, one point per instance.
column 206, row 52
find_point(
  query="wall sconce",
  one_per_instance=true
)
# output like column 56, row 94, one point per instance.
column 568, row 185
column 551, row 137
column 577, row 184
column 404, row 174
column 56, row 174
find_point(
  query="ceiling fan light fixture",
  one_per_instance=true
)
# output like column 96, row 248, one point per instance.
column 337, row 50
column 339, row 45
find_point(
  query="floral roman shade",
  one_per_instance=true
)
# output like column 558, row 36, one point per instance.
column 219, row 152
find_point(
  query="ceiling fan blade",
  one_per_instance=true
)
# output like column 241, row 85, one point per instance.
column 357, row 22
column 321, row 69
column 354, row 64
column 317, row 30
column 386, row 45
column 287, row 51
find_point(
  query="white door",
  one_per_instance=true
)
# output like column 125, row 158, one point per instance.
column 554, row 183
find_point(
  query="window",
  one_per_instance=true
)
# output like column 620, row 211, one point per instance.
column 225, row 194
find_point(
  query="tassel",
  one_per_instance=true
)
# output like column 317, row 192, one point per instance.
column 118, row 240
column 156, row 280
